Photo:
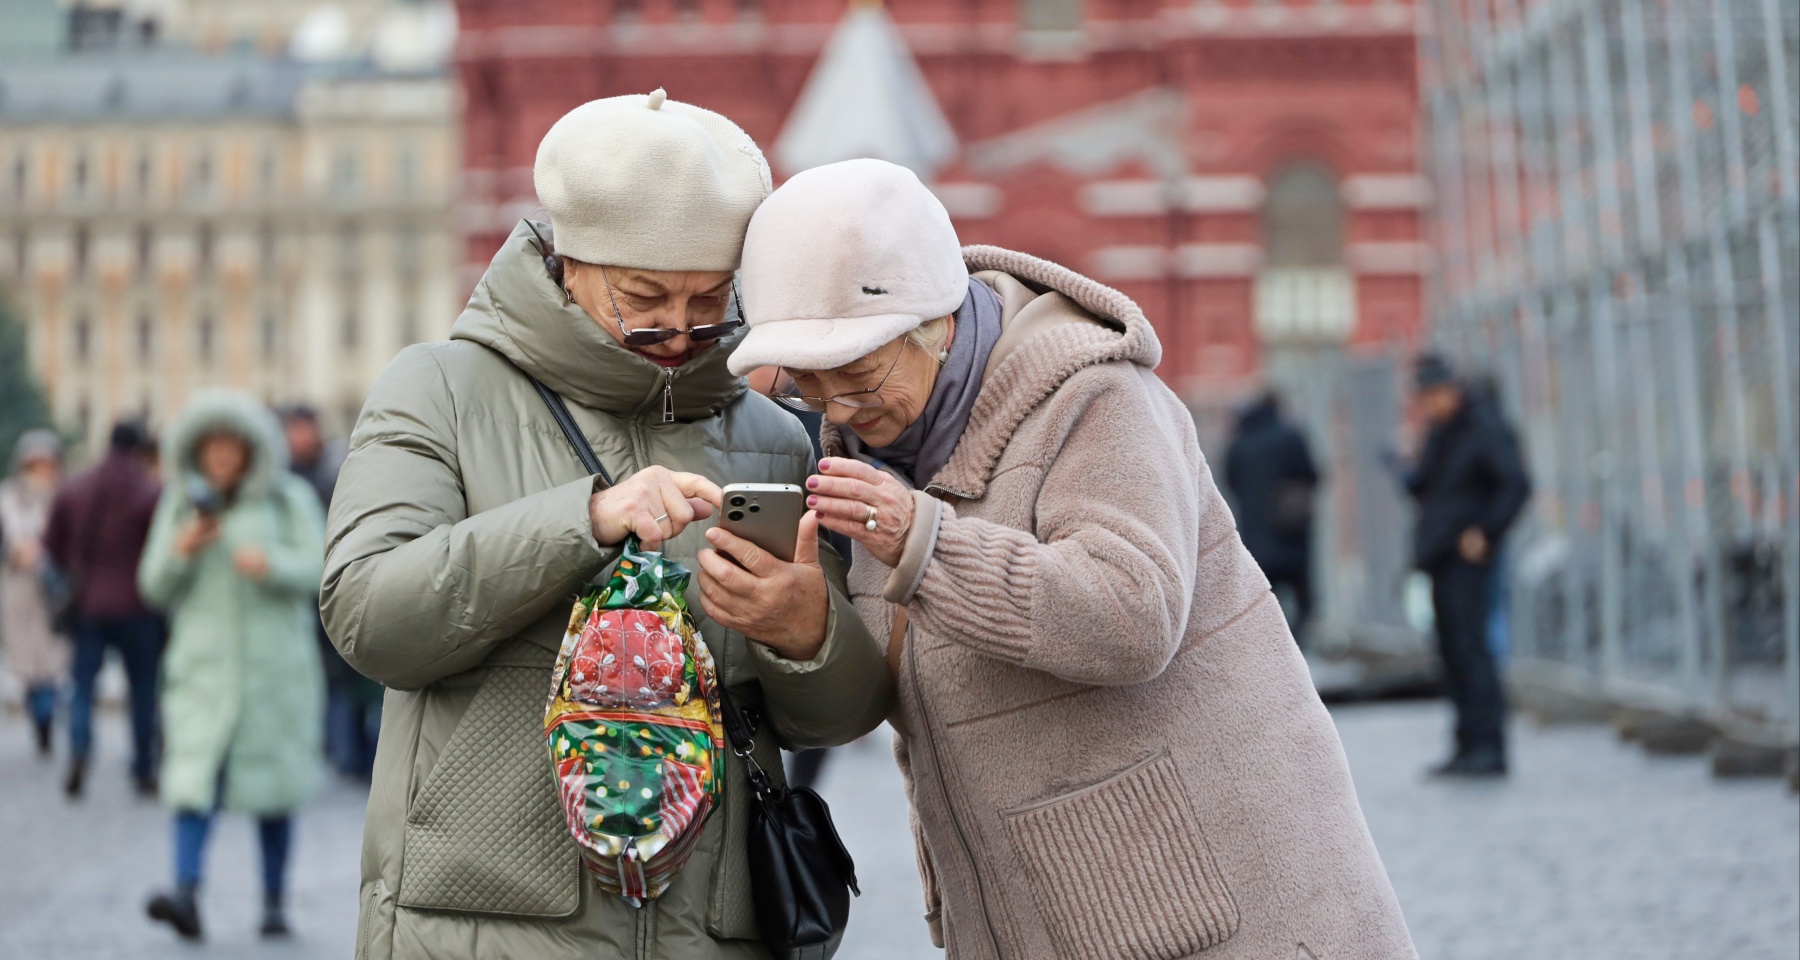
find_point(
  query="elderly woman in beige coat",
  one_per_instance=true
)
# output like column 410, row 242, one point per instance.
column 1113, row 748
column 36, row 657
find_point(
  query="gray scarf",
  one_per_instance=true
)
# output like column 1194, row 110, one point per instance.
column 925, row 445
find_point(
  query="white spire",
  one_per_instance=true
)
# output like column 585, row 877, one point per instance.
column 866, row 98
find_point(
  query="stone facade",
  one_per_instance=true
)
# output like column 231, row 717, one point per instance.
column 171, row 219
column 1148, row 142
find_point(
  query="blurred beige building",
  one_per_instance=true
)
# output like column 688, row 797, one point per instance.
column 172, row 218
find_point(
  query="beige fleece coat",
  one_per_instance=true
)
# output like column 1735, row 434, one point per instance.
column 1113, row 747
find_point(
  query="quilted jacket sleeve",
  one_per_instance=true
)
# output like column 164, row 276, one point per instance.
column 415, row 589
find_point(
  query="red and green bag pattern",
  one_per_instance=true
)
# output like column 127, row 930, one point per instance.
column 634, row 728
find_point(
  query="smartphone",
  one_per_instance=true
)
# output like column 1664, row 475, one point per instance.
column 766, row 514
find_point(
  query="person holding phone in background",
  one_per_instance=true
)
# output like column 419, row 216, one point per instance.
column 463, row 523
column 1111, row 743
column 234, row 558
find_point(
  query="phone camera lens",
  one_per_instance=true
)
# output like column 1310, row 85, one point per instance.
column 735, row 515
column 737, row 501
column 755, row 507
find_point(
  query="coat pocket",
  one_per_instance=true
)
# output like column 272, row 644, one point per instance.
column 485, row 833
column 1121, row 869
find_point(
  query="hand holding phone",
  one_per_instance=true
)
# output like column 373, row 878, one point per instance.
column 766, row 514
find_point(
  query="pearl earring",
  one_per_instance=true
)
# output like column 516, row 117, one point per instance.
column 943, row 355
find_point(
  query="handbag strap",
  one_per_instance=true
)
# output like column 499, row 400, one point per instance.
column 560, row 412
column 740, row 729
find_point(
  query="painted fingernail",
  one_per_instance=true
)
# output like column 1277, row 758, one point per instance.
column 812, row 501
column 824, row 464
column 812, row 483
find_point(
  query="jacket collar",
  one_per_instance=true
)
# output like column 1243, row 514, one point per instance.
column 1068, row 321
column 517, row 311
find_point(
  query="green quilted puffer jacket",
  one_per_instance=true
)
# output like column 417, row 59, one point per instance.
column 458, row 534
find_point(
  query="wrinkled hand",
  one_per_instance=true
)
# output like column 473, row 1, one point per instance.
column 781, row 605
column 842, row 493
column 251, row 560
column 655, row 503
column 196, row 534
column 1473, row 545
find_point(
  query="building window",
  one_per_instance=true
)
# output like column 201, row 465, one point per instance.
column 78, row 255
column 146, row 249
column 22, row 250
column 21, row 174
column 345, row 174
column 406, row 172
column 270, row 335
column 351, row 330
column 409, row 319
column 265, row 170
column 749, row 9
column 84, row 337
column 200, row 180
column 205, row 336
column 1304, row 293
column 78, row 177
column 146, row 337
column 407, row 251
column 266, row 248
column 146, row 166
column 349, row 250
column 629, row 10
column 1051, row 14
column 203, row 251
column 687, row 9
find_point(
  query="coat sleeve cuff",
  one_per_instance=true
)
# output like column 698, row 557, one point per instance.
column 921, row 541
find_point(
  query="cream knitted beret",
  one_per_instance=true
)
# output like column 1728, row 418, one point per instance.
column 651, row 183
column 842, row 259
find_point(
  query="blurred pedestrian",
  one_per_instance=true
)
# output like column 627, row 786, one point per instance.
column 1470, row 485
column 98, row 525
column 352, row 701
column 235, row 558
column 1270, row 473
column 35, row 655
column 463, row 521
column 1111, row 744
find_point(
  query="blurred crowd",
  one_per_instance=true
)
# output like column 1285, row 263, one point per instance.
column 196, row 561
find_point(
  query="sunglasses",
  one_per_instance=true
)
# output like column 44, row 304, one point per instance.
column 649, row 336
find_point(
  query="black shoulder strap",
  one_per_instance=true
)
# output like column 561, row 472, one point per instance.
column 560, row 411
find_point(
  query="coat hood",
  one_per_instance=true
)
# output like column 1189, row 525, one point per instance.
column 217, row 409
column 517, row 311
column 1057, row 322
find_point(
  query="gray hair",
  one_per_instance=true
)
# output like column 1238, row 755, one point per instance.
column 39, row 444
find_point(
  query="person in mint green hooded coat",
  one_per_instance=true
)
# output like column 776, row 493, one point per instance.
column 234, row 558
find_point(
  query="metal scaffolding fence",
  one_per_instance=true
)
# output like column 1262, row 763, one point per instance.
column 1618, row 229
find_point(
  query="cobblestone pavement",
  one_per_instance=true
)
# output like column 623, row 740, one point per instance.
column 1591, row 851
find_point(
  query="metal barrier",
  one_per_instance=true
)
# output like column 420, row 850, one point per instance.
column 1618, row 227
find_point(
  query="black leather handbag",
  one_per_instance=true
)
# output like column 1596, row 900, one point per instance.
column 801, row 877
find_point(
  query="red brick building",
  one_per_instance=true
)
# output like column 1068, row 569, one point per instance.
column 1247, row 169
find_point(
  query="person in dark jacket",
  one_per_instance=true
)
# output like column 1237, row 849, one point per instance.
column 1470, row 485
column 98, row 525
column 353, row 701
column 1270, row 473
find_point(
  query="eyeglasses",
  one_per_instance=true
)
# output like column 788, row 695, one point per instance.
column 855, row 399
column 649, row 336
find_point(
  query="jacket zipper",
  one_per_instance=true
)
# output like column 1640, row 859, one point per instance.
column 668, row 395
column 937, row 769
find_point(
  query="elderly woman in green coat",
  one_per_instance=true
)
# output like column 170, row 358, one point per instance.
column 234, row 558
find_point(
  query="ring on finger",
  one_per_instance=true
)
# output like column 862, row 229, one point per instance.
column 661, row 518
column 871, row 523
